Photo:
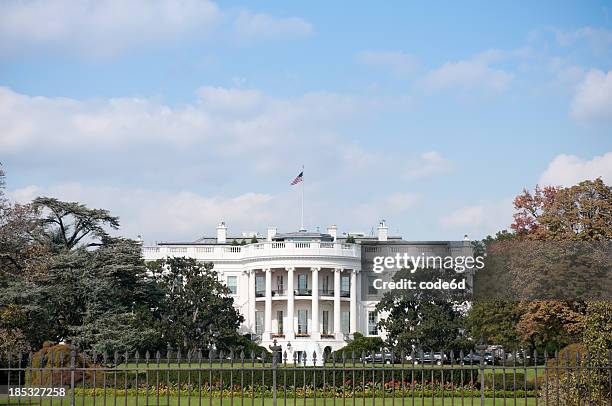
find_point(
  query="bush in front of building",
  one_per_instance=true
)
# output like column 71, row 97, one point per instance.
column 359, row 345
column 52, row 364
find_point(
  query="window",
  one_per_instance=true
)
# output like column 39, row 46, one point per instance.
column 279, row 322
column 372, row 324
column 280, row 284
column 371, row 289
column 260, row 286
column 232, row 284
column 259, row 323
column 302, row 321
column 346, row 322
column 325, row 322
column 345, row 285
column 303, row 283
column 325, row 287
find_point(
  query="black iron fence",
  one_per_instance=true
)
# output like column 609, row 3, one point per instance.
column 63, row 375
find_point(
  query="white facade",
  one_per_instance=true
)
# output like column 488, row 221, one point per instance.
column 303, row 290
column 306, row 290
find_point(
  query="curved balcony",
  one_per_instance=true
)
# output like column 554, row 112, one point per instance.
column 252, row 251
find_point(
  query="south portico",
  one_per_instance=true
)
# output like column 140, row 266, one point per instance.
column 305, row 308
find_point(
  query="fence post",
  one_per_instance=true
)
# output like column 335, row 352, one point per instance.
column 481, row 369
column 276, row 349
column 72, row 368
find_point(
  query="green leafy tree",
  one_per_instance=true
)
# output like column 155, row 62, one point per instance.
column 197, row 310
column 427, row 320
column 120, row 312
column 494, row 322
column 254, row 240
column 361, row 344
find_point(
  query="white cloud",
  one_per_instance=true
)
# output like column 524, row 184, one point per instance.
column 400, row 64
column 470, row 74
column 103, row 29
column 593, row 100
column 429, row 164
column 183, row 216
column 100, row 28
column 598, row 39
column 480, row 220
column 159, row 215
column 568, row 170
column 248, row 26
column 220, row 121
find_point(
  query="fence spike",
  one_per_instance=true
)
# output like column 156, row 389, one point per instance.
column 147, row 355
column 285, row 356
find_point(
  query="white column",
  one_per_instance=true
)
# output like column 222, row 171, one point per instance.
column 268, row 309
column 354, row 301
column 251, row 274
column 290, row 326
column 337, row 314
column 315, row 304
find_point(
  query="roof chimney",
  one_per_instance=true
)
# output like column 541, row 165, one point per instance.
column 271, row 233
column 333, row 231
column 221, row 233
column 383, row 231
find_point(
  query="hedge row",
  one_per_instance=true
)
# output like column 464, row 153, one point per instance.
column 511, row 381
column 263, row 377
column 262, row 392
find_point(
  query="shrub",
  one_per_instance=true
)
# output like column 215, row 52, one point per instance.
column 51, row 366
column 571, row 378
column 294, row 377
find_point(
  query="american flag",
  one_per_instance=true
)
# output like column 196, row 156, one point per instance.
column 298, row 179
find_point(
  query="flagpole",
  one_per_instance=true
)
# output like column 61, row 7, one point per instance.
column 302, row 225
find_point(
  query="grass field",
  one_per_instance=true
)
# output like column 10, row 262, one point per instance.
column 175, row 401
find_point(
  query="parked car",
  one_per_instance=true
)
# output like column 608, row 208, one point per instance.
column 437, row 358
column 475, row 358
column 382, row 358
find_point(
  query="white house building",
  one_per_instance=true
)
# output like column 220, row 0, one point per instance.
column 306, row 290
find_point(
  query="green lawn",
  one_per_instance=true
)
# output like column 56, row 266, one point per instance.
column 174, row 401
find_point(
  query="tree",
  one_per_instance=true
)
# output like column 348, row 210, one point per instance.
column 422, row 319
column 362, row 344
column 494, row 322
column 197, row 310
column 121, row 311
column 582, row 212
column 68, row 223
column 254, row 240
column 550, row 324
column 350, row 239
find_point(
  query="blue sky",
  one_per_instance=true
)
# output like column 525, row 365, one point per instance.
column 175, row 115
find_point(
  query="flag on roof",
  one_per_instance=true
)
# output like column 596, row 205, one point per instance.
column 298, row 179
